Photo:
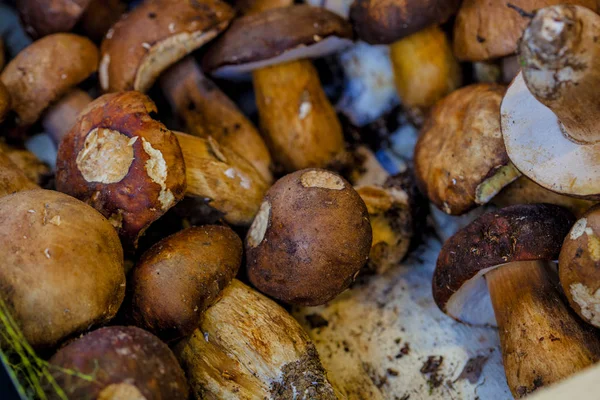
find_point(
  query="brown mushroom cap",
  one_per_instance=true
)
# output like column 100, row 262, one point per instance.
column 154, row 36
column 384, row 22
column 460, row 158
column 579, row 263
column 46, row 70
column 276, row 36
column 123, row 362
column 44, row 17
column 516, row 233
column 36, row 170
column 487, row 29
column 121, row 161
column 62, row 265
column 181, row 276
column 310, row 237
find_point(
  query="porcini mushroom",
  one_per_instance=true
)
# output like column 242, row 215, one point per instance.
column 297, row 120
column 309, row 239
column 460, row 158
column 44, row 17
column 36, row 171
column 424, row 67
column 548, row 121
column 542, row 340
column 119, row 362
column 132, row 169
column 45, row 72
column 578, row 266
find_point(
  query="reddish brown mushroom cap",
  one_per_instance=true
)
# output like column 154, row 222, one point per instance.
column 125, row 363
column 276, row 36
column 516, row 233
column 43, row 17
column 122, row 162
column 154, row 36
column 384, row 22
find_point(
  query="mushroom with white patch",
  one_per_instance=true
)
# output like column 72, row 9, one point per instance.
column 509, row 253
column 578, row 266
column 310, row 239
column 277, row 45
column 549, row 122
column 460, row 158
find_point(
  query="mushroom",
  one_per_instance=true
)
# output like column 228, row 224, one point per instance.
column 5, row 102
column 542, row 340
column 578, row 266
column 132, row 169
column 309, row 239
column 178, row 278
column 42, row 74
column 119, row 362
column 460, row 158
column 206, row 111
column 100, row 16
column 62, row 261
column 12, row 178
column 297, row 120
column 248, row 347
column 424, row 67
column 549, row 129
column 34, row 169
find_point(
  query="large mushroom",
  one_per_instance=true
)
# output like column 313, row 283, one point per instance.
column 460, row 158
column 424, row 67
column 509, row 253
column 549, row 121
column 298, row 122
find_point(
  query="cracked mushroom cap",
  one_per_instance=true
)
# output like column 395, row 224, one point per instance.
column 487, row 29
column 124, row 163
column 124, row 362
column 44, row 17
column 309, row 239
column 516, row 233
column 276, row 36
column 384, row 22
column 579, row 263
column 45, row 71
column 460, row 158
column 154, row 36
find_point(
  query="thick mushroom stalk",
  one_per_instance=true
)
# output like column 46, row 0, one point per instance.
column 542, row 340
column 560, row 54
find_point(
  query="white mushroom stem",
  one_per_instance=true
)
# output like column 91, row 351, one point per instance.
column 542, row 340
column 59, row 118
column 560, row 62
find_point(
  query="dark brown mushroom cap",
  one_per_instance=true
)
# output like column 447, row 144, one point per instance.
column 45, row 71
column 384, row 22
column 43, row 17
column 579, row 263
column 154, row 36
column 181, row 276
column 517, row 233
column 122, row 162
column 460, row 158
column 487, row 29
column 275, row 36
column 120, row 360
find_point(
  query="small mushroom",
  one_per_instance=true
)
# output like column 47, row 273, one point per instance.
column 44, row 72
column 542, row 340
column 248, row 347
column 12, row 178
column 116, row 363
column 155, row 35
column 424, row 67
column 44, row 17
column 294, row 111
column 178, row 278
column 62, row 262
column 578, row 266
column 34, row 169
column 309, row 239
column 460, row 158
column 548, row 119
column 206, row 111
column 132, row 169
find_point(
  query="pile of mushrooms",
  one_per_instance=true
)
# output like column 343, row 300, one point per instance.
column 205, row 185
